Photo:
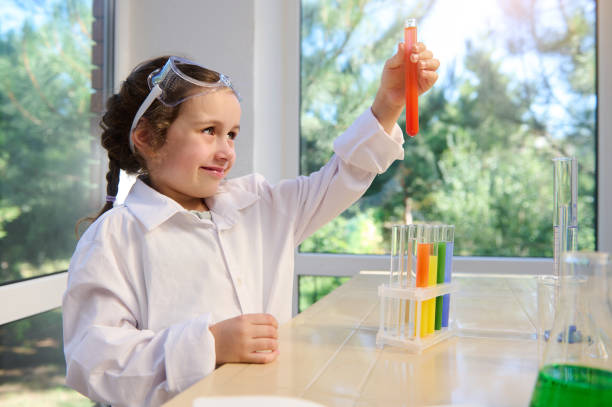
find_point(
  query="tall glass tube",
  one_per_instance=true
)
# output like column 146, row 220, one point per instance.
column 565, row 208
column 410, row 78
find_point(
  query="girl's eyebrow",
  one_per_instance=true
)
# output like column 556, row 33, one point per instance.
column 200, row 122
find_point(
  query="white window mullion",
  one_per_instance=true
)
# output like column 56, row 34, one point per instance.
column 604, row 126
column 30, row 297
column 315, row 264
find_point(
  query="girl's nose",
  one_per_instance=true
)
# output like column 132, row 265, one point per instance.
column 225, row 150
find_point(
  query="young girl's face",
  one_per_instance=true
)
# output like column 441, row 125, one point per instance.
column 199, row 149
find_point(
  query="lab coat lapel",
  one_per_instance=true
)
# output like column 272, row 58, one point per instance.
column 227, row 202
column 149, row 206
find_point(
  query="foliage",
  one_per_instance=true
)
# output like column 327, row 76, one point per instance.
column 32, row 368
column 355, row 235
column 45, row 134
column 313, row 288
column 482, row 159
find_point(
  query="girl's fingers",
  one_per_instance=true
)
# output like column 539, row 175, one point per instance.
column 420, row 56
column 263, row 319
column 261, row 350
column 397, row 59
column 429, row 64
column 427, row 80
column 429, row 76
column 263, row 344
column 418, row 48
column 262, row 357
column 265, row 331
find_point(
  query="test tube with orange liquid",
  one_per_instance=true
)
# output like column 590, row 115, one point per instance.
column 410, row 78
column 424, row 250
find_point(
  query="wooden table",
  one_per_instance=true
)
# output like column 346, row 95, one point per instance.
column 328, row 353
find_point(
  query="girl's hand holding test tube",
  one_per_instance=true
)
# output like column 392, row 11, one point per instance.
column 390, row 98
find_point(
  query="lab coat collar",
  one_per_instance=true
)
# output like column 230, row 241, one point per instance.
column 152, row 208
column 227, row 202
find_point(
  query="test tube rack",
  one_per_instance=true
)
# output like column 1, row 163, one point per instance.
column 400, row 316
column 408, row 303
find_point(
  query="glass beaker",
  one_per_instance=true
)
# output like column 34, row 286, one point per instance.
column 577, row 361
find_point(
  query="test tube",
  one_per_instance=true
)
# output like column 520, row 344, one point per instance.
column 432, row 277
column 411, row 242
column 411, row 247
column 449, row 239
column 395, row 243
column 402, row 241
column 410, row 78
column 565, row 208
column 422, row 277
column 440, row 275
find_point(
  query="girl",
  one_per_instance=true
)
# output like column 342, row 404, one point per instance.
column 193, row 270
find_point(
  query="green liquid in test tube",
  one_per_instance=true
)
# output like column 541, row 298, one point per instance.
column 440, row 279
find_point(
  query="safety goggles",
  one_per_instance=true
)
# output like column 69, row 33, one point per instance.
column 172, row 85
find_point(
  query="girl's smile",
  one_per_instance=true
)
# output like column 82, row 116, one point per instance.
column 217, row 172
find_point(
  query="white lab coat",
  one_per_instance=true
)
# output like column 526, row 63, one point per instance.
column 149, row 277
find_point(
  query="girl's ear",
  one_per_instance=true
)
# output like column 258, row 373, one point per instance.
column 141, row 138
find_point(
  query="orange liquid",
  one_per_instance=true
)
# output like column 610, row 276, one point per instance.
column 422, row 280
column 412, row 91
column 422, row 277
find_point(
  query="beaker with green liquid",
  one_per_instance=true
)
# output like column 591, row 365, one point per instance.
column 577, row 360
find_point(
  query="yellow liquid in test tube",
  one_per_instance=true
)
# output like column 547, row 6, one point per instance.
column 431, row 304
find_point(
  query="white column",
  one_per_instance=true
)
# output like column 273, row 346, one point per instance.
column 277, row 88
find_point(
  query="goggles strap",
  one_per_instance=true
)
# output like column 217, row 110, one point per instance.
column 154, row 94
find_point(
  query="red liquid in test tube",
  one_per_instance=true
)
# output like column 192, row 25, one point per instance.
column 412, row 92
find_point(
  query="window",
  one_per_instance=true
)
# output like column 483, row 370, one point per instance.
column 49, row 160
column 516, row 89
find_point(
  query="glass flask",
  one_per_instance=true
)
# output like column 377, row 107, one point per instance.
column 577, row 360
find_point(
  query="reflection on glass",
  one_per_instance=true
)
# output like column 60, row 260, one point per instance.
column 516, row 89
column 32, row 366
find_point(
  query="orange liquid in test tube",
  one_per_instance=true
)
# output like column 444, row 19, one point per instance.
column 410, row 72
column 422, row 280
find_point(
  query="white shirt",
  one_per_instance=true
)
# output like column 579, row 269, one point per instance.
column 148, row 277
